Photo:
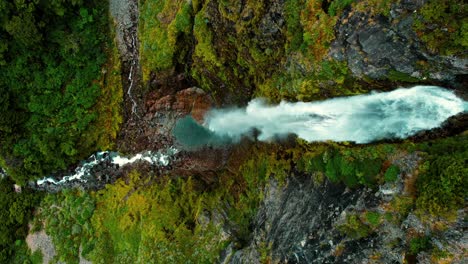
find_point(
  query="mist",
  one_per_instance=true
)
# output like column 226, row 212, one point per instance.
column 362, row 119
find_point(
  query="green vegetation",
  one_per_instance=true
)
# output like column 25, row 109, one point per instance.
column 337, row 6
column 354, row 227
column 442, row 185
column 401, row 207
column 140, row 221
column 16, row 211
column 373, row 218
column 374, row 7
column 347, row 168
column 165, row 30
column 36, row 257
column 443, row 26
column 391, row 174
column 418, row 244
column 67, row 220
column 51, row 58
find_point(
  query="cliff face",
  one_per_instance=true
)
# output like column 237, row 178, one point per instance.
column 386, row 46
column 303, row 50
column 309, row 220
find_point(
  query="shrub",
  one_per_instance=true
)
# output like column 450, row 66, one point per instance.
column 442, row 185
column 419, row 244
column 373, row 218
column 354, row 227
column 392, row 173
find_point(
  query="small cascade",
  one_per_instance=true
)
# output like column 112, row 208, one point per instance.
column 84, row 172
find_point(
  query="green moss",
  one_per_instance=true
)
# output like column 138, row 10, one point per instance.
column 443, row 26
column 401, row 206
column 442, row 185
column 354, row 228
column 373, row 218
column 419, row 244
column 375, row 7
column 391, row 174
column 164, row 30
column 394, row 75
column 293, row 11
column 204, row 48
column 337, row 6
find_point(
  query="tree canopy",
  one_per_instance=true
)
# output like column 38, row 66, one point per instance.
column 51, row 54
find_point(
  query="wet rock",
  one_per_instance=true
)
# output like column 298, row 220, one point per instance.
column 378, row 46
column 452, row 126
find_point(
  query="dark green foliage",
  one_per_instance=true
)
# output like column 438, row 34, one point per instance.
column 16, row 210
column 337, row 6
column 419, row 244
column 51, row 56
column 349, row 170
column 293, row 10
column 443, row 183
column 392, row 173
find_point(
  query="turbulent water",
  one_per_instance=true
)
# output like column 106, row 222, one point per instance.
column 84, row 171
column 362, row 119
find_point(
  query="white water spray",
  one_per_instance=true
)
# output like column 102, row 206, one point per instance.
column 84, row 172
column 362, row 119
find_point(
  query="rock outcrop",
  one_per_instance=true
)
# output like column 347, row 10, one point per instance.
column 383, row 47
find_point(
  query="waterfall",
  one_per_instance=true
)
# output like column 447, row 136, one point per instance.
column 84, row 171
column 362, row 118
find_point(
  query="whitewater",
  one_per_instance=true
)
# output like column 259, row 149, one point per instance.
column 362, row 118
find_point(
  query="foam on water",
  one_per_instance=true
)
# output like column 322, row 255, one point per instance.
column 362, row 119
column 83, row 172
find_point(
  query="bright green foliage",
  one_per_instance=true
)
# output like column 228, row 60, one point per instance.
column 67, row 218
column 337, row 6
column 354, row 227
column 391, row 174
column 14, row 216
column 140, row 221
column 373, row 218
column 52, row 57
column 443, row 185
column 36, row 257
column 23, row 255
column 165, row 29
column 157, row 223
column 443, row 26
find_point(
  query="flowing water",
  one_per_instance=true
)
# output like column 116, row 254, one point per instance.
column 84, row 171
column 362, row 119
